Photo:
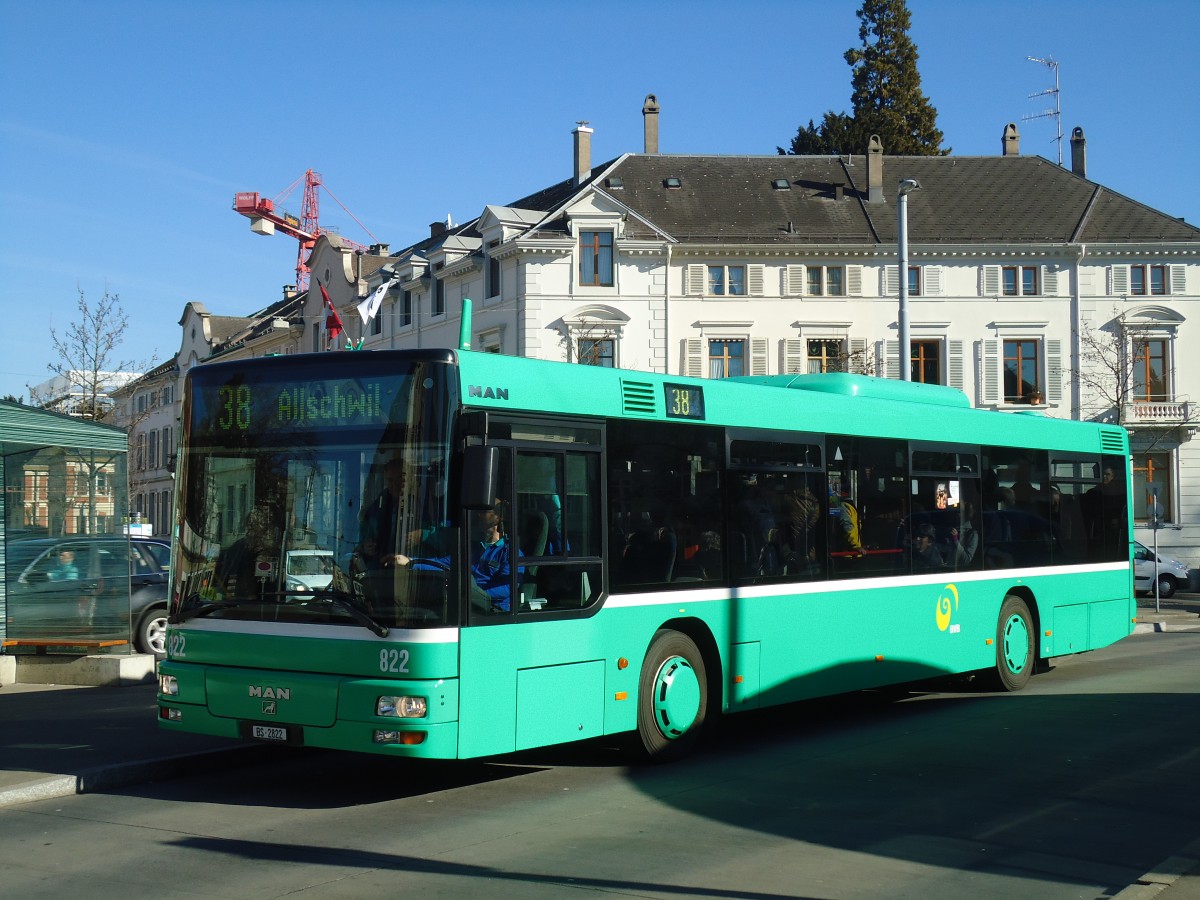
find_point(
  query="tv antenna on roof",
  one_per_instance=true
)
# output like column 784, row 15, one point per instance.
column 1056, row 112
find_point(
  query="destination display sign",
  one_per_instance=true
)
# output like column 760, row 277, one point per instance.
column 241, row 407
column 684, row 401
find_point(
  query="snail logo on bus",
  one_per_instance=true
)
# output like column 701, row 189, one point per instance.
column 947, row 606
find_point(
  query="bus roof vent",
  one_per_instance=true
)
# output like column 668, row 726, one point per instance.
column 849, row 385
column 637, row 398
column 1112, row 440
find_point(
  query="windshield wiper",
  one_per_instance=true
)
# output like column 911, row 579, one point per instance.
column 203, row 609
column 343, row 601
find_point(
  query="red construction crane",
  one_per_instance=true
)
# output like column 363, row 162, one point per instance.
column 266, row 217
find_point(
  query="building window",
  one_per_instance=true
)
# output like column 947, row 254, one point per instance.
column 914, row 281
column 727, row 281
column 1139, row 283
column 493, row 285
column 404, row 315
column 597, row 352
column 1150, row 370
column 439, row 298
column 1022, row 372
column 726, row 358
column 1020, row 281
column 1151, row 477
column 827, row 281
column 927, row 362
column 596, row 258
column 826, row 355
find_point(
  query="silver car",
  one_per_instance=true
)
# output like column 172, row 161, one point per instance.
column 89, row 587
column 1172, row 574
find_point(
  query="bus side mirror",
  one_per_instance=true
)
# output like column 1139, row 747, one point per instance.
column 479, row 476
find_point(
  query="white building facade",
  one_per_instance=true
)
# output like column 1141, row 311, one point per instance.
column 1030, row 288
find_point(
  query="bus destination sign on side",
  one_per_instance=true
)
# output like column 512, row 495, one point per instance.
column 684, row 401
column 300, row 405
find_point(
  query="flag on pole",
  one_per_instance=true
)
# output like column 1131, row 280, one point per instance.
column 370, row 307
column 333, row 322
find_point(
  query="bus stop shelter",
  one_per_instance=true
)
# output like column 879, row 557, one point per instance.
column 64, row 582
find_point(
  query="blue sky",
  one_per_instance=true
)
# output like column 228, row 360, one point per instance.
column 128, row 125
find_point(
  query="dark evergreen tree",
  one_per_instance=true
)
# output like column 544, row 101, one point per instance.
column 886, row 96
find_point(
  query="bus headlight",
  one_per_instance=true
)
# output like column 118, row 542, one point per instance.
column 168, row 684
column 402, row 707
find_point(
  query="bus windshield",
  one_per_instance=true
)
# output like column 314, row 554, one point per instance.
column 303, row 488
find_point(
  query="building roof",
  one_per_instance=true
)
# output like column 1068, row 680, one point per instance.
column 997, row 199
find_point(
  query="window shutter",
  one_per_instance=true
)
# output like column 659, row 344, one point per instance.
column 793, row 355
column 1118, row 280
column 989, row 281
column 854, row 281
column 795, row 280
column 695, row 276
column 891, row 281
column 693, row 357
column 990, row 366
column 1054, row 370
column 858, row 356
column 932, row 276
column 758, row 356
column 891, row 359
column 1049, row 281
column 754, row 280
column 954, row 368
column 1178, row 279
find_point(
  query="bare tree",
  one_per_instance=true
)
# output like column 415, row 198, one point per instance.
column 1116, row 386
column 86, row 359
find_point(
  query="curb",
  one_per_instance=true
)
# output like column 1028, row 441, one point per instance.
column 122, row 775
column 1162, row 876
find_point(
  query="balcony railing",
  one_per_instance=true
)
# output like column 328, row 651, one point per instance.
column 1157, row 412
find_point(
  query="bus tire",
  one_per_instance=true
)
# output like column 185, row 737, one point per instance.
column 672, row 696
column 1016, row 653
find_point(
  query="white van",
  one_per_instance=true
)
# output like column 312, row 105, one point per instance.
column 1172, row 574
column 310, row 570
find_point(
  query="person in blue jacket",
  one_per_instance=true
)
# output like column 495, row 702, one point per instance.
column 491, row 556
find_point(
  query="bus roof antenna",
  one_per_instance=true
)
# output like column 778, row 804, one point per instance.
column 464, row 327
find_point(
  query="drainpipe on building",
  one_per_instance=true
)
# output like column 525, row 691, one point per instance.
column 667, row 316
column 1076, row 330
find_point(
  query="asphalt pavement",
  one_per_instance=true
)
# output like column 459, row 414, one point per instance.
column 60, row 740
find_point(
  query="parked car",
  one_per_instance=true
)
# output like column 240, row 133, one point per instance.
column 1171, row 572
column 89, row 587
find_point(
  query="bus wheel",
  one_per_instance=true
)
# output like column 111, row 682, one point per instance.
column 672, row 696
column 1015, row 652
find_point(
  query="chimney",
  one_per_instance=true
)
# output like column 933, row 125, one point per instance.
column 1078, row 152
column 437, row 229
column 289, row 291
column 650, row 119
column 875, row 170
column 583, row 152
column 379, row 249
column 1011, row 142
column 839, row 190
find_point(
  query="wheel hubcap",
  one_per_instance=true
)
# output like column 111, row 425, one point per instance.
column 1016, row 644
column 156, row 636
column 676, row 697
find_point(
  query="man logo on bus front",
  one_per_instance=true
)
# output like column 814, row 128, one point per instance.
column 268, row 707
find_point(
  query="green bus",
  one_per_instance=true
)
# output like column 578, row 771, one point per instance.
column 515, row 553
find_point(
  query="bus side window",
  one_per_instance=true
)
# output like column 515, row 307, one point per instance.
column 665, row 503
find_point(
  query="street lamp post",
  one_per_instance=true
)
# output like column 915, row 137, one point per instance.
column 907, row 186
